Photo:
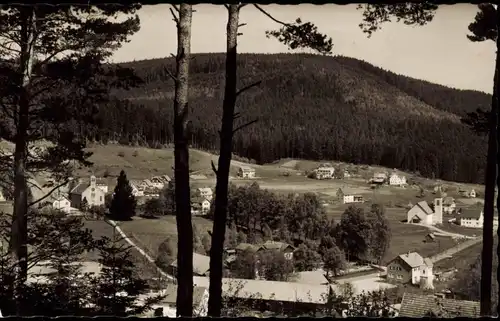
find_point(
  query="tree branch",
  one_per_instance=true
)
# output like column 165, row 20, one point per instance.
column 242, row 90
column 176, row 19
column 213, row 167
column 170, row 74
column 269, row 15
column 245, row 125
column 176, row 8
column 48, row 194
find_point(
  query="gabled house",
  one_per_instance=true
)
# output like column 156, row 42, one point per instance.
column 324, row 172
column 410, row 268
column 449, row 205
column 472, row 193
column 349, row 198
column 205, row 192
column 87, row 191
column 246, row 172
column 397, row 180
column 61, row 203
column 423, row 214
column 284, row 248
column 201, row 265
column 471, row 217
column 429, row 238
column 102, row 184
column 137, row 191
column 419, row 306
column 157, row 182
column 200, row 205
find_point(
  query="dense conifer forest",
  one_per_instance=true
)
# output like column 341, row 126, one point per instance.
column 311, row 107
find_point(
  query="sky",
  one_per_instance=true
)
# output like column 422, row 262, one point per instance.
column 438, row 52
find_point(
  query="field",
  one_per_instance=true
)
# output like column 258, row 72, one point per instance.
column 285, row 176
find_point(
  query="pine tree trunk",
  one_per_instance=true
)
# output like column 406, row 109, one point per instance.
column 181, row 154
column 19, row 231
column 489, row 206
column 221, row 189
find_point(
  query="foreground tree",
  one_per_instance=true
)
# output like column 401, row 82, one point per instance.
column 184, row 303
column 124, row 203
column 52, row 79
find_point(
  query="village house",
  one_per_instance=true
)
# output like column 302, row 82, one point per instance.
column 87, row 191
column 205, row 192
column 246, row 172
column 201, row 265
column 167, row 306
column 397, row 180
column 157, row 182
column 472, row 193
column 471, row 217
column 449, row 205
column 137, row 188
column 284, row 248
column 466, row 193
column 346, row 174
column 61, row 203
column 379, row 178
column 286, row 297
column 324, row 172
column 419, row 306
column 102, row 184
column 411, row 268
column 423, row 214
column 348, row 198
column 200, row 205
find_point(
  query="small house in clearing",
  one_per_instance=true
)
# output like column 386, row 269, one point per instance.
column 379, row 178
column 397, row 180
column 284, row 248
column 411, row 268
column 348, row 198
column 137, row 188
column 87, row 191
column 422, row 213
column 157, row 182
column 61, row 203
column 471, row 217
column 246, row 172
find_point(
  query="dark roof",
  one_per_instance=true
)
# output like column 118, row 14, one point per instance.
column 280, row 246
column 417, row 306
column 474, row 213
column 80, row 188
column 247, row 247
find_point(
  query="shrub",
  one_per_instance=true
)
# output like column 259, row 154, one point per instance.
column 121, row 154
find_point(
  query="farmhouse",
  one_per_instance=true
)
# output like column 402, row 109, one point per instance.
column 449, row 205
column 167, row 306
column 410, row 268
column 349, row 198
column 423, row 214
column 205, row 192
column 87, row 191
column 379, row 178
column 419, row 306
column 472, row 217
column 324, row 172
column 246, row 172
column 200, row 205
column 137, row 188
column 61, row 203
column 102, row 184
column 285, row 248
column 201, row 265
column 396, row 180
column 157, row 182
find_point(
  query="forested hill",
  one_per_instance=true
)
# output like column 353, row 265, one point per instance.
column 311, row 107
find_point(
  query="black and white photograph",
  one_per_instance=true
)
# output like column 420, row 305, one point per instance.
column 249, row 160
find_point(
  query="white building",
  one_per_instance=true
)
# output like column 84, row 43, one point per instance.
column 325, row 172
column 379, row 178
column 200, row 205
column 410, row 267
column 348, row 199
column 449, row 205
column 423, row 214
column 157, row 182
column 61, row 203
column 471, row 218
column 136, row 189
column 397, row 180
column 472, row 194
column 100, row 183
column 246, row 172
column 87, row 191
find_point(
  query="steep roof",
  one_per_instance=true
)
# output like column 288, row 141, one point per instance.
column 80, row 188
column 425, row 207
column 247, row 246
column 474, row 213
column 413, row 259
column 280, row 246
column 418, row 306
column 247, row 169
column 201, row 263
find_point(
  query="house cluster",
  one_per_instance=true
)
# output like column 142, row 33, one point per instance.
column 394, row 179
column 150, row 186
column 469, row 194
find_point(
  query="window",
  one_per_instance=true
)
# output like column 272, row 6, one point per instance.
column 92, row 195
column 100, row 198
